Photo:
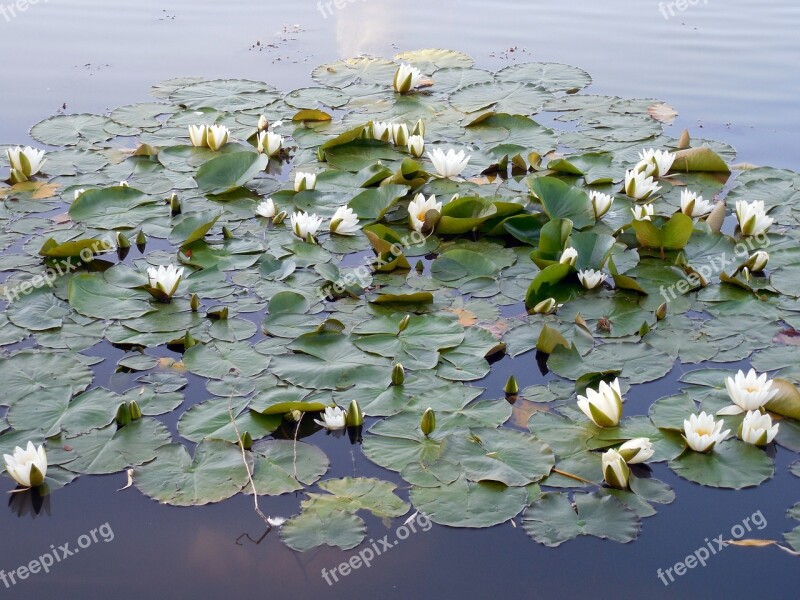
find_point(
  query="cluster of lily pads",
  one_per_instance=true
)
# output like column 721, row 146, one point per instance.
column 185, row 237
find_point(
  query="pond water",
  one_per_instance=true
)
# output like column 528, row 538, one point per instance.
column 729, row 68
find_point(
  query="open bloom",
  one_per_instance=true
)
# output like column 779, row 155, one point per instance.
column 333, row 418
column 164, row 279
column 702, row 432
column 590, row 278
column 569, row 257
column 615, row 470
column 748, row 392
column 217, row 136
column 643, row 212
column 381, row 131
column 304, row 181
column 655, row 163
column 416, row 146
column 198, row 134
column 27, row 162
column 269, row 143
column 639, row 185
column 601, row 203
column 758, row 429
column 304, row 225
column 450, row 164
column 693, row 205
column 419, row 207
column 406, row 78
column 637, row 450
column 27, row 467
column 344, row 221
column 752, row 217
column 399, row 134
column 604, row 405
column 266, row 209
column 758, row 261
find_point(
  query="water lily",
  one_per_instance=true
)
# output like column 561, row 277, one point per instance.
column 753, row 219
column 416, row 146
column 546, row 307
column 590, row 278
column 217, row 136
column 304, row 181
column 601, row 203
column 748, row 392
column 639, row 185
column 758, row 429
column 419, row 207
column 758, row 261
column 702, row 432
column 406, row 78
column 656, row 163
column 333, row 418
column 616, row 472
column 449, row 164
column 604, row 405
column 637, row 450
column 305, row 225
column 643, row 212
column 693, row 205
column 163, row 281
column 269, row 143
column 266, row 209
column 263, row 124
column 124, row 183
column 344, row 221
column 198, row 134
column 27, row 467
column 381, row 131
column 399, row 134
column 77, row 193
column 26, row 162
column 569, row 257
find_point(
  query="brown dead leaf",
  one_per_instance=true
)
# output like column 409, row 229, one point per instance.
column 465, row 317
column 662, row 112
column 44, row 191
column 787, row 337
column 524, row 410
column 62, row 218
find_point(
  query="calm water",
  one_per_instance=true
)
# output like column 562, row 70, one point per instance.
column 729, row 67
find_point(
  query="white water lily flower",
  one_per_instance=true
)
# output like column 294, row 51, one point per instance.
column 416, row 146
column 217, row 136
column 333, row 418
column 344, row 221
column 604, row 405
column 656, row 163
column 27, row 467
column 198, row 134
column 78, row 192
column 266, row 209
column 399, row 134
column 758, row 429
column 304, row 181
column 276, row 521
column 702, row 432
column 616, row 472
column 406, row 78
column 569, row 257
column 693, row 205
column 758, row 261
column 263, row 124
column 643, row 212
column 601, row 203
column 590, row 278
column 639, row 185
column 419, row 207
column 164, row 279
column 124, row 183
column 753, row 219
column 748, row 392
column 304, row 224
column 28, row 161
column 637, row 450
column 449, row 164
column 381, row 131
column 269, row 143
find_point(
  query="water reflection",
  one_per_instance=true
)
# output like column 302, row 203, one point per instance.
column 30, row 502
column 366, row 27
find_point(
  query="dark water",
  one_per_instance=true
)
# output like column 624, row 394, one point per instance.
column 728, row 67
